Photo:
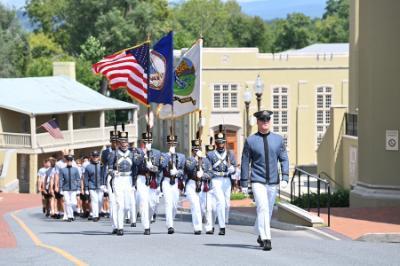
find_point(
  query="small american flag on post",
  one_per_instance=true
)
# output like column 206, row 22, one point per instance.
column 128, row 69
column 53, row 129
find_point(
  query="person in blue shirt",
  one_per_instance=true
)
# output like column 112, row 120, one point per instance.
column 261, row 153
column 172, row 164
column 69, row 184
column 95, row 184
column 223, row 166
column 197, row 172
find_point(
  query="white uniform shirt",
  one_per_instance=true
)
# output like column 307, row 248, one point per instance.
column 42, row 173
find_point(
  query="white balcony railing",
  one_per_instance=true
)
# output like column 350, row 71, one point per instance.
column 15, row 140
column 96, row 136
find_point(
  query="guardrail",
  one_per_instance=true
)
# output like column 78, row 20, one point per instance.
column 299, row 173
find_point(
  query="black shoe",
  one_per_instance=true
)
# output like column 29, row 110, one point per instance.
column 171, row 231
column 267, row 245
column 127, row 221
column 197, row 232
column 58, row 216
column 114, row 231
column 221, row 232
column 47, row 214
column 107, row 215
column 260, row 242
column 133, row 224
column 211, row 232
column 68, row 220
column 43, row 210
column 120, row 232
column 147, row 232
column 90, row 217
column 96, row 219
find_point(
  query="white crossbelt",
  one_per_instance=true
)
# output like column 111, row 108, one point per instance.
column 221, row 158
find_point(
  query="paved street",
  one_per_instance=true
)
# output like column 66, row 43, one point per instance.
column 93, row 244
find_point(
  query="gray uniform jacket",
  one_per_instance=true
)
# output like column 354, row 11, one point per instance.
column 69, row 179
column 165, row 164
column 254, row 156
column 94, row 177
column 220, row 162
column 191, row 168
column 155, row 157
column 125, row 162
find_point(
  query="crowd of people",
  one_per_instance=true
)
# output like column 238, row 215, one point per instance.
column 125, row 183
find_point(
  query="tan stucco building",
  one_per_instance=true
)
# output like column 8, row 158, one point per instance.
column 300, row 86
column 27, row 103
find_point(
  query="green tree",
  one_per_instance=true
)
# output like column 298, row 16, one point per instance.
column 331, row 30
column 14, row 48
column 296, row 31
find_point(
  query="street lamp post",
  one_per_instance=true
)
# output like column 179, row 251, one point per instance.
column 247, row 100
column 258, row 88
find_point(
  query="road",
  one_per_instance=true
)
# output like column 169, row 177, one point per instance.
column 92, row 243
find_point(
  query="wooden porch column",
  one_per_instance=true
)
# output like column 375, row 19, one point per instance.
column 33, row 132
column 103, row 124
column 71, row 126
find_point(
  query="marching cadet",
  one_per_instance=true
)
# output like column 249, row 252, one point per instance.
column 197, row 171
column 147, row 180
column 105, row 159
column 95, row 184
column 223, row 166
column 69, row 184
column 262, row 151
column 122, row 164
column 172, row 165
column 41, row 175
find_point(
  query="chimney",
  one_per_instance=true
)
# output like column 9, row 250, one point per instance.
column 64, row 69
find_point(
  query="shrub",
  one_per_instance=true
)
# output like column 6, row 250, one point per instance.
column 339, row 198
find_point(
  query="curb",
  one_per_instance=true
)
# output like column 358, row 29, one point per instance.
column 380, row 238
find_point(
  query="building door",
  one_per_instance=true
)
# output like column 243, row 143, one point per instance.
column 231, row 141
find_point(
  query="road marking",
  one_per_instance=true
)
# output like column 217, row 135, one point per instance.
column 322, row 233
column 39, row 243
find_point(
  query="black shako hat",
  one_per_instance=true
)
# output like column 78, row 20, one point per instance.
column 171, row 139
column 147, row 137
column 196, row 144
column 220, row 136
column 263, row 115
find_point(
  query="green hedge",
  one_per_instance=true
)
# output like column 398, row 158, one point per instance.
column 339, row 198
column 238, row 196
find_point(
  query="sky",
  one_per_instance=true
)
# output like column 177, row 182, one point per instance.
column 267, row 9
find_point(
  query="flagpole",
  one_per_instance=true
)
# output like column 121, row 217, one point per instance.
column 148, row 86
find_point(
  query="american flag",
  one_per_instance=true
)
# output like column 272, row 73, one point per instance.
column 53, row 129
column 128, row 69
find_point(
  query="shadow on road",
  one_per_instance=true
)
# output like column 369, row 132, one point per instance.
column 233, row 246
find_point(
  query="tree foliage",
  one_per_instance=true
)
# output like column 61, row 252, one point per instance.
column 14, row 48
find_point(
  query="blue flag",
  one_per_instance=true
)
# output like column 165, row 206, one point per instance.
column 162, row 71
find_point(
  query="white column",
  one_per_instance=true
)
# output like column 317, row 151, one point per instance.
column 102, row 124
column 33, row 132
column 71, row 127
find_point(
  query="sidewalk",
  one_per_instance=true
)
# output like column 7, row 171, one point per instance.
column 356, row 222
column 11, row 202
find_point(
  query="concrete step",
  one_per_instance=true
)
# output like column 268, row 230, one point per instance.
column 289, row 213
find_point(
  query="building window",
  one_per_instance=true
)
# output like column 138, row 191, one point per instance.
column 280, row 105
column 324, row 103
column 225, row 96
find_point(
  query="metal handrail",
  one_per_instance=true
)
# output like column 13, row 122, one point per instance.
column 330, row 179
column 326, row 182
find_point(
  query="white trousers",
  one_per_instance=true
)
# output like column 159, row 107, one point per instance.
column 69, row 203
column 113, row 205
column 200, row 204
column 264, row 196
column 222, row 192
column 96, row 200
column 154, row 200
column 122, row 190
column 143, row 192
column 132, row 205
column 171, row 196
